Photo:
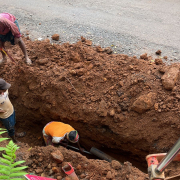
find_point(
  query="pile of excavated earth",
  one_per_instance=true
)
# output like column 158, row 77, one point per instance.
column 126, row 105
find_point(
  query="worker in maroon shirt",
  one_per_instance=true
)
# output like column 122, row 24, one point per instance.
column 9, row 31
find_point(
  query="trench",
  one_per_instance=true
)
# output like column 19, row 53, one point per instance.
column 36, row 105
column 34, row 138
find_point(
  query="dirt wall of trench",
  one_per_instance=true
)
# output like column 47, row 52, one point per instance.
column 96, row 92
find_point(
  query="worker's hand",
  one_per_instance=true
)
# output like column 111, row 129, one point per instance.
column 16, row 40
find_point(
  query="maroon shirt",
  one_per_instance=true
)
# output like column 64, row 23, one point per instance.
column 7, row 24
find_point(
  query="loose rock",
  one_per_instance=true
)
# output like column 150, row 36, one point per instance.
column 144, row 103
column 55, row 37
column 57, row 155
column 170, row 77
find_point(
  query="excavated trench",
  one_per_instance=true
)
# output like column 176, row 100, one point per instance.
column 34, row 138
column 33, row 125
column 95, row 92
column 30, row 119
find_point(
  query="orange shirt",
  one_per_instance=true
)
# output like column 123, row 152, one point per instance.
column 57, row 130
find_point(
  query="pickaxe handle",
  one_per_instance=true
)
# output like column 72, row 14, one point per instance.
column 5, row 52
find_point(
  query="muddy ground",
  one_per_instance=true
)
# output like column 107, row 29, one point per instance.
column 119, row 104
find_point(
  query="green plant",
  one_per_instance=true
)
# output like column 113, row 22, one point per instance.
column 8, row 169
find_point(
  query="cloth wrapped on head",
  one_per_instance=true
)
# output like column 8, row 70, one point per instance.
column 73, row 136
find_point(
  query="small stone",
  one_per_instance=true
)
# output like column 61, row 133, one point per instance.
column 42, row 61
column 88, row 42
column 102, row 111
column 109, row 175
column 50, row 172
column 43, row 175
column 158, row 52
column 54, row 164
column 156, row 106
column 72, row 72
column 116, row 165
column 57, row 156
column 164, row 106
column 99, row 49
column 35, row 161
column 78, row 167
column 55, row 169
column 85, row 166
column 40, row 159
column 112, row 112
column 46, row 40
column 49, row 166
column 55, row 37
column 178, row 96
column 170, row 77
column 154, row 119
column 108, row 50
column 121, row 83
column 39, row 170
column 67, row 178
column 144, row 56
column 82, row 176
column 80, row 71
column 59, row 178
column 158, row 61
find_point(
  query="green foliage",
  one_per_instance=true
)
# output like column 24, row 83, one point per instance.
column 8, row 169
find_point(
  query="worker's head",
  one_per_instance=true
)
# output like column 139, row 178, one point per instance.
column 73, row 136
column 4, row 85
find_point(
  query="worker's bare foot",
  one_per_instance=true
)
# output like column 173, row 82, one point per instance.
column 3, row 60
column 28, row 61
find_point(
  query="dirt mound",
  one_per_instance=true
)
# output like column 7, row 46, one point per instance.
column 41, row 162
column 114, row 101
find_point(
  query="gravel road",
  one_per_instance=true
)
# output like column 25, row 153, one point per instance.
column 130, row 27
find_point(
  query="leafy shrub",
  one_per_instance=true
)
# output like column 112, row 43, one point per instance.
column 8, row 169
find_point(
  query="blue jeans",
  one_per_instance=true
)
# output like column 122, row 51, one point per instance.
column 9, row 124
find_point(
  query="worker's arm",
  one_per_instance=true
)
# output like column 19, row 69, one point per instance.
column 80, row 148
column 57, row 140
column 60, row 140
column 64, row 143
column 2, row 100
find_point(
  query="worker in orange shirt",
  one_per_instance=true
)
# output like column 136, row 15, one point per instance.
column 60, row 133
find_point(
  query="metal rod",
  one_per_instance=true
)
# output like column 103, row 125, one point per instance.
column 168, row 158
